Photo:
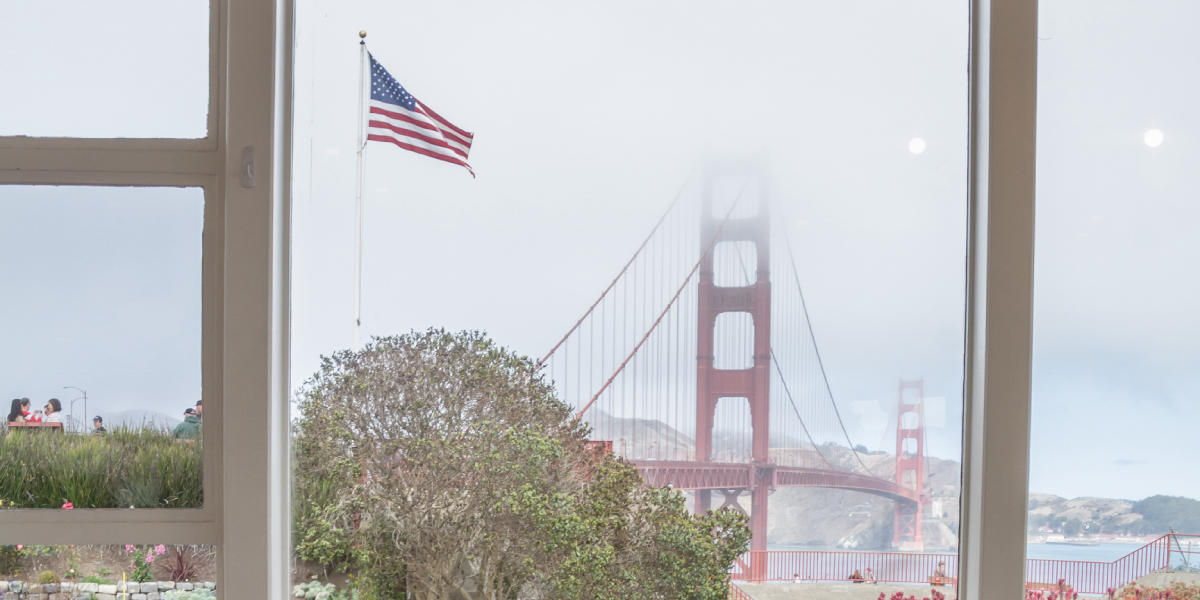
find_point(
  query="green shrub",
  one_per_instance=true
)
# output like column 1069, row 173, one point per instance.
column 1174, row 591
column 315, row 590
column 143, row 468
column 47, row 577
column 10, row 559
column 96, row 579
column 380, row 579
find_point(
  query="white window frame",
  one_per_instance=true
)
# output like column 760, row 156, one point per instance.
column 244, row 300
column 999, row 323
column 246, row 514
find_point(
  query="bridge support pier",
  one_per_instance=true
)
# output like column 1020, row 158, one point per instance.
column 910, row 465
column 758, row 529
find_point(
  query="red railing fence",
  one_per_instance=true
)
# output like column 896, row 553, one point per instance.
column 1173, row 551
column 820, row 565
column 736, row 593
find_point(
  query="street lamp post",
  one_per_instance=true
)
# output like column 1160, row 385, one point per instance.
column 71, row 418
column 84, row 398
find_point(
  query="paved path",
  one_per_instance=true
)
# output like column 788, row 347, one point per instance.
column 1167, row 578
column 835, row 591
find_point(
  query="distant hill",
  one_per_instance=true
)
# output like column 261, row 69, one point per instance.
column 1100, row 516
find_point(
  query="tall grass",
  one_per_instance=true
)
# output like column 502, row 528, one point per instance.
column 140, row 468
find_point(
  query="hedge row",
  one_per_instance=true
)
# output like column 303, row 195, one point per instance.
column 141, row 468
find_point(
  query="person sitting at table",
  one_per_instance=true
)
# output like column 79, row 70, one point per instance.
column 939, row 574
column 856, row 576
column 16, row 415
column 53, row 411
column 31, row 416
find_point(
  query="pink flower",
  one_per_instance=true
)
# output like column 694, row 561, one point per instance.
column 20, row 546
column 68, row 506
column 130, row 547
column 149, row 557
column 159, row 549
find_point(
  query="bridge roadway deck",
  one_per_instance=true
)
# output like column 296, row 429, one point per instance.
column 684, row 475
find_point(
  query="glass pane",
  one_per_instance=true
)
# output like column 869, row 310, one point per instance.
column 101, row 316
column 731, row 241
column 1116, row 332
column 130, row 68
column 170, row 572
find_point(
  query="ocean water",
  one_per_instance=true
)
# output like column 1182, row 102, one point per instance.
column 1098, row 553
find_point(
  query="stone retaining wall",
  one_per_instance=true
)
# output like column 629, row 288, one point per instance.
column 150, row 590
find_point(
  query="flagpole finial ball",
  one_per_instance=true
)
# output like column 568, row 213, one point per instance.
column 362, row 33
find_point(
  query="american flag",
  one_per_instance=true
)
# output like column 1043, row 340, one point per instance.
column 397, row 117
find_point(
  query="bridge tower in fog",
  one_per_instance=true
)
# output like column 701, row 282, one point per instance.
column 910, row 463
column 753, row 384
column 625, row 366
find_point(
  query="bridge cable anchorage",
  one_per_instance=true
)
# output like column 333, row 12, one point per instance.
column 692, row 273
column 778, row 369
column 817, row 353
column 611, row 285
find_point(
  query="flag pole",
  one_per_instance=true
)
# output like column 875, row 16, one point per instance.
column 358, row 208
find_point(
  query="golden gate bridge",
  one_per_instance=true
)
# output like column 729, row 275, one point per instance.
column 702, row 369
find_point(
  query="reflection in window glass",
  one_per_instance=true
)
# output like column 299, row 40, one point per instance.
column 712, row 231
column 101, row 321
column 129, row 68
column 1115, row 327
column 124, row 570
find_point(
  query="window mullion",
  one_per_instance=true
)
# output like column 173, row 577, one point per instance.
column 1000, row 299
column 106, row 530
column 254, row 515
column 131, row 166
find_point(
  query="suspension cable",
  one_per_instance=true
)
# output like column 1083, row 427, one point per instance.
column 670, row 207
column 817, row 352
column 712, row 242
column 778, row 369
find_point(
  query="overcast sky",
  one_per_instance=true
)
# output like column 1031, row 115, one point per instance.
column 589, row 116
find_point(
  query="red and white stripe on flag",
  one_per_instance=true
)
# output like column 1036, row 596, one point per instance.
column 397, row 117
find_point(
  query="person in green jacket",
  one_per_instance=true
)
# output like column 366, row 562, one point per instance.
column 189, row 429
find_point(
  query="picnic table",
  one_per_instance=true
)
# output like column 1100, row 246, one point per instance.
column 35, row 427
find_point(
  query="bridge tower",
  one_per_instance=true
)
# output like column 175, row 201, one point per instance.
column 752, row 384
column 910, row 463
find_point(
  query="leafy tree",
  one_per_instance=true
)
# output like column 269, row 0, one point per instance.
column 1162, row 513
column 1073, row 527
column 623, row 540
column 424, row 434
column 444, row 462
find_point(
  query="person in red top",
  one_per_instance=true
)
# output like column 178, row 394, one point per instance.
column 31, row 416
